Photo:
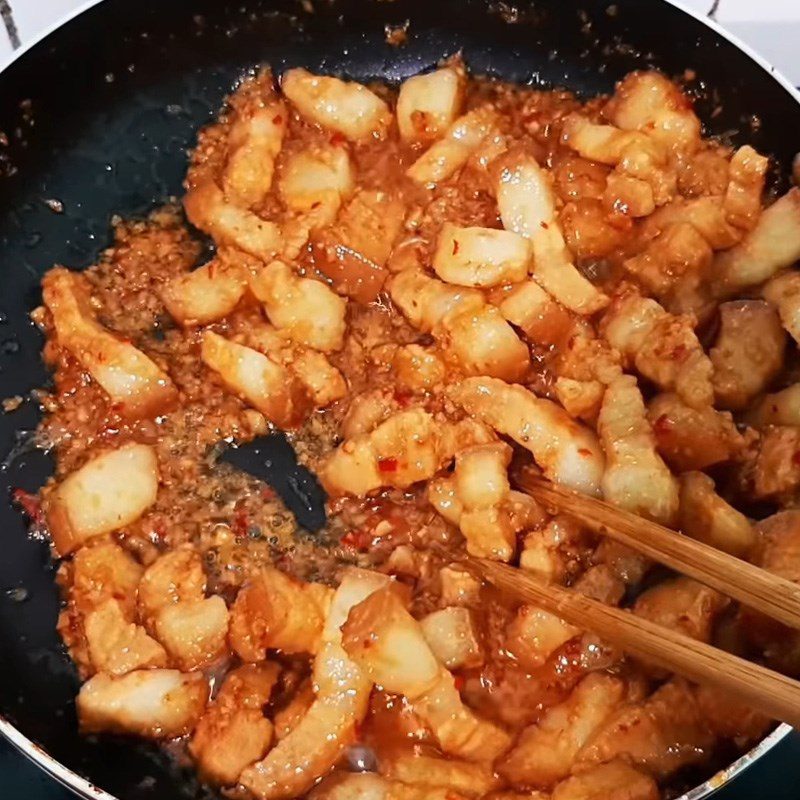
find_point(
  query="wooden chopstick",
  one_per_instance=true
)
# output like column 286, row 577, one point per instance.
column 758, row 687
column 774, row 596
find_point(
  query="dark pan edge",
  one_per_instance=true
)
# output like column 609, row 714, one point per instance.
column 54, row 768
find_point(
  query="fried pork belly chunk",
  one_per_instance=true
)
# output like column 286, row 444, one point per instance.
column 552, row 549
column 490, row 531
column 678, row 252
column 706, row 215
column 316, row 181
column 369, row 786
column 727, row 717
column 527, row 207
column 774, row 472
column 615, row 780
column 154, row 703
column 135, row 385
column 318, row 740
column 99, row 572
column 111, row 490
column 465, row 778
column 118, row 646
column 208, row 293
column 706, row 173
column 452, row 634
column 388, row 643
column 459, row 587
column 264, row 384
column 631, row 151
column 535, row 634
column 783, row 291
column 354, row 250
column 635, row 478
column 587, row 358
column 368, row 410
column 477, row 498
column 545, row 752
column 345, row 107
column 194, row 632
column 644, row 174
column 541, row 318
column 255, row 138
column 777, row 551
column 663, row 347
column 277, row 612
column 629, row 194
column 463, row 323
column 581, row 399
column 772, row 245
column 427, row 105
column 682, row 605
column 660, row 734
column 401, row 451
column 748, row 353
column 234, row 733
column 231, row 225
column 310, row 376
column 452, row 151
column 692, row 438
column 307, row 310
column 780, row 408
column 482, row 488
column 568, row 452
column 705, row 516
column 480, row 257
column 177, row 576
column 648, row 101
column 747, row 173
column 286, row 719
column 104, row 571
column 417, row 368
column 585, row 366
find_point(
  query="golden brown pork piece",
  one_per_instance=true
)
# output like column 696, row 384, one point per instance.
column 155, row 703
column 681, row 605
column 545, row 752
column 778, row 551
column 234, row 732
column 692, row 438
column 615, row 780
column 661, row 734
column 174, row 577
column 748, row 352
column 135, row 384
column 277, row 612
column 353, row 252
column 704, row 515
column 385, row 640
column 111, row 490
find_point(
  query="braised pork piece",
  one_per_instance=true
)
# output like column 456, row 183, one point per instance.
column 419, row 285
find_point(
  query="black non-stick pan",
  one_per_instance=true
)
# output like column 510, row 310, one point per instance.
column 96, row 121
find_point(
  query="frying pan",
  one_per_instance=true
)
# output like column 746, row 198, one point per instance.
column 98, row 118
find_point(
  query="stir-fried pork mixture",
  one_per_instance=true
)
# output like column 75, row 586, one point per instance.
column 425, row 287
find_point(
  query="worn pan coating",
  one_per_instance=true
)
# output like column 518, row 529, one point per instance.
column 98, row 117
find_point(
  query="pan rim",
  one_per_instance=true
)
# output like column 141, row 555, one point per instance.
column 51, row 766
column 86, row 789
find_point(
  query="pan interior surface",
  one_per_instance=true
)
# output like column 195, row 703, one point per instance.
column 98, row 119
